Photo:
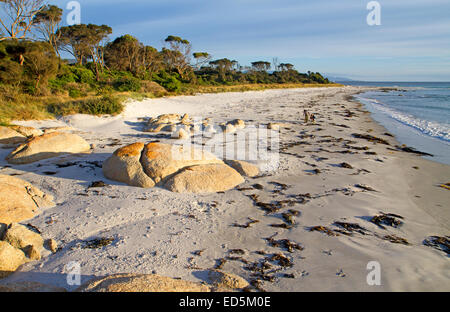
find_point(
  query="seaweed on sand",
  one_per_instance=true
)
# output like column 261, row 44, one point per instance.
column 284, row 243
column 350, row 228
column 395, row 239
column 323, row 229
column 389, row 219
column 370, row 138
column 98, row 243
column 438, row 242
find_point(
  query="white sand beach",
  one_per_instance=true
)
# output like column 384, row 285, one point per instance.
column 183, row 235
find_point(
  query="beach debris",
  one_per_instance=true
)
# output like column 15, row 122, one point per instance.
column 349, row 228
column 281, row 225
column 345, row 165
column 220, row 263
column 370, row 138
column 258, row 186
column 445, row 186
column 323, row 229
column 50, row 172
column 412, row 150
column 395, row 239
column 284, row 243
column 281, row 259
column 97, row 243
column 288, row 216
column 389, row 219
column 341, row 273
column 246, row 225
column 97, row 184
column 365, row 187
column 198, row 252
column 439, row 242
column 236, row 251
column 81, row 164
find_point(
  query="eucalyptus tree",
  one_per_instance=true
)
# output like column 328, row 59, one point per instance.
column 47, row 22
column 177, row 55
column 18, row 17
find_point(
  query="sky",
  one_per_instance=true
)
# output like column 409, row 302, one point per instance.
column 328, row 36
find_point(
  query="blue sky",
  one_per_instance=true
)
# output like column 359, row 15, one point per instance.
column 330, row 36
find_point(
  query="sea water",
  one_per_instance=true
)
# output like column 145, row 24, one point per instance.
column 417, row 113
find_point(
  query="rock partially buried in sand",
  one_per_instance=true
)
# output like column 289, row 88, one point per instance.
column 19, row 236
column 163, row 122
column 226, row 280
column 28, row 131
column 10, row 259
column 243, row 167
column 141, row 283
column 161, row 160
column 48, row 146
column 30, row 287
column 19, row 200
column 172, row 166
column 125, row 166
column 10, row 136
column 204, row 179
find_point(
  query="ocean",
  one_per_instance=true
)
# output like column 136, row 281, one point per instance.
column 418, row 114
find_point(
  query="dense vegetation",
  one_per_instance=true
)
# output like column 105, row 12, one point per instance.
column 35, row 82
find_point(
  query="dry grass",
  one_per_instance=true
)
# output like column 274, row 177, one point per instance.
column 18, row 106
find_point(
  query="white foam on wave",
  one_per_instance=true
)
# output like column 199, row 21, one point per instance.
column 431, row 128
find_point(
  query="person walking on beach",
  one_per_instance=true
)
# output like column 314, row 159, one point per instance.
column 313, row 118
column 306, row 114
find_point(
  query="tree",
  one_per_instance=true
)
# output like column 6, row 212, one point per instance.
column 177, row 55
column 261, row 66
column 223, row 66
column 123, row 53
column 47, row 22
column 40, row 61
column 85, row 42
column 201, row 59
column 286, row 66
column 126, row 53
column 19, row 17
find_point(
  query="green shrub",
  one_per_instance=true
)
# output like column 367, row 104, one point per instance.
column 94, row 106
column 127, row 84
column 84, row 75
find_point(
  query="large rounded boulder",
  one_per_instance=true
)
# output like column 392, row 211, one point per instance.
column 48, row 146
column 19, row 200
column 125, row 166
column 141, row 283
column 161, row 160
column 175, row 167
column 204, row 179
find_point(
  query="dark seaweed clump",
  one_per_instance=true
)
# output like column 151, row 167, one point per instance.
column 438, row 242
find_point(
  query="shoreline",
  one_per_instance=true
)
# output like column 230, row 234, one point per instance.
column 159, row 223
